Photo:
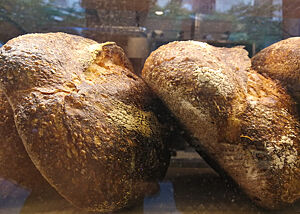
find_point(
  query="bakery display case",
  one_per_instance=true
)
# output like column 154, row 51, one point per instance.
column 153, row 106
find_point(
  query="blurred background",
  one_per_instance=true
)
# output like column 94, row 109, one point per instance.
column 142, row 26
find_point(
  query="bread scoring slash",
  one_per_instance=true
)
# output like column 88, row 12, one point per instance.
column 85, row 119
column 244, row 124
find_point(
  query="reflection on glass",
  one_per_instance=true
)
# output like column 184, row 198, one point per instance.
column 258, row 23
column 185, row 190
column 252, row 23
column 12, row 197
column 162, row 202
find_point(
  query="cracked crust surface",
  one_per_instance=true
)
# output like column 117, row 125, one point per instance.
column 85, row 119
column 246, row 123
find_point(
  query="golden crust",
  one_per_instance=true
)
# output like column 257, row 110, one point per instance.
column 244, row 122
column 281, row 61
column 85, row 119
column 15, row 164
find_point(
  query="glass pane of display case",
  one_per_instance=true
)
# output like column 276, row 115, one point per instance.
column 192, row 184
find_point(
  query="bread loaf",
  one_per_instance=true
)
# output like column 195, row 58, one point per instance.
column 15, row 164
column 281, row 61
column 244, row 123
column 85, row 119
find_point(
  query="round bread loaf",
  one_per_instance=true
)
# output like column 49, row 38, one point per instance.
column 243, row 123
column 15, row 164
column 281, row 61
column 85, row 119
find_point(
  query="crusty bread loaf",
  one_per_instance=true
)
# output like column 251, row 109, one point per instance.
column 245, row 123
column 281, row 61
column 85, row 119
column 15, row 164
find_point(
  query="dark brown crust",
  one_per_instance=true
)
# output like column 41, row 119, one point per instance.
column 243, row 121
column 84, row 118
column 15, row 164
column 281, row 61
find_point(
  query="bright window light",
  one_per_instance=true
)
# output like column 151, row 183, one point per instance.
column 159, row 13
